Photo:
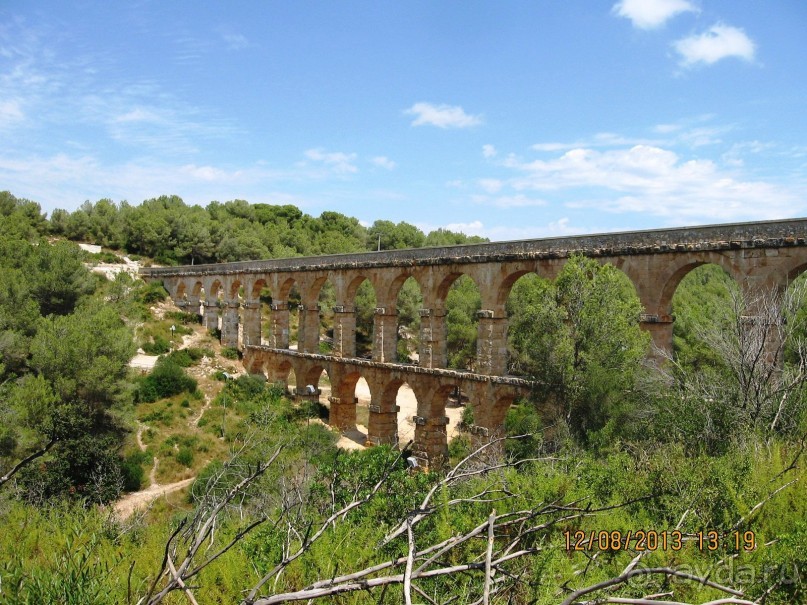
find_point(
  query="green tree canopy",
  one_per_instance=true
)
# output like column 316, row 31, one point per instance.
column 579, row 338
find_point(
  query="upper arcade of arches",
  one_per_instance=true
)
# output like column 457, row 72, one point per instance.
column 764, row 253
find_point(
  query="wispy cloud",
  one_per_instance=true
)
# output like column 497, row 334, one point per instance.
column 10, row 113
column 690, row 132
column 383, row 162
column 650, row 14
column 65, row 180
column 518, row 200
column 442, row 116
column 489, row 151
column 235, row 41
column 654, row 180
column 337, row 161
column 719, row 42
column 557, row 228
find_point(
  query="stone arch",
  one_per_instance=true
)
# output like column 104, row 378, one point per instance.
column 285, row 288
column 256, row 364
column 216, row 288
column 314, row 290
column 506, row 286
column 676, row 271
column 312, row 374
column 382, row 423
column 198, row 289
column 408, row 322
column 441, row 291
column 253, row 290
column 285, row 373
column 180, row 293
column 498, row 412
column 392, row 292
column 390, row 395
column 355, row 283
column 232, row 289
column 793, row 271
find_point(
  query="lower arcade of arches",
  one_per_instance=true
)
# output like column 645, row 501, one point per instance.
column 489, row 397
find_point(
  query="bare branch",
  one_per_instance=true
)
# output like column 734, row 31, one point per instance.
column 666, row 571
column 27, row 460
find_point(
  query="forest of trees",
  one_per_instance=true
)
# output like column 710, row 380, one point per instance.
column 171, row 232
column 712, row 441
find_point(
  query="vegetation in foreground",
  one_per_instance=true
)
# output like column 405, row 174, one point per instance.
column 712, row 445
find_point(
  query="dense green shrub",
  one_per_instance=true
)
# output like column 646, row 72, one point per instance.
column 523, row 419
column 184, row 317
column 133, row 473
column 157, row 346
column 230, row 353
column 185, row 456
column 165, row 380
column 153, row 293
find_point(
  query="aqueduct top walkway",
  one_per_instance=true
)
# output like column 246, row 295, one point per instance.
column 767, row 254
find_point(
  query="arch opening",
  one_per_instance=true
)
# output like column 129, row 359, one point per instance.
column 407, row 330
column 706, row 303
column 365, row 303
column 462, row 303
column 325, row 326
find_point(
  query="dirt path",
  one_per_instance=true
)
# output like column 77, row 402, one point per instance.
column 140, row 428
column 195, row 420
column 137, row 500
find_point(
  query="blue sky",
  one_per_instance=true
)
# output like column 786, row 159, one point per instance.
column 504, row 119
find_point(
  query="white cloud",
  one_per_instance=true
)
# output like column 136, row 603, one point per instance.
column 63, row 180
column 472, row 228
column 10, row 113
column 384, row 162
column 666, row 128
column 657, row 181
column 601, row 139
column 500, row 233
column 339, row 162
column 490, row 185
column 489, row 151
column 139, row 115
column 551, row 147
column 442, row 116
column 649, row 14
column 719, row 42
column 508, row 201
column 235, row 41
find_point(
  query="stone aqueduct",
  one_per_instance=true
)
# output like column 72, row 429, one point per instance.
column 767, row 254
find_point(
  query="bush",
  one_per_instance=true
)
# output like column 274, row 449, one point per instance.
column 185, row 456
column 467, row 419
column 132, row 467
column 458, row 448
column 158, row 346
column 153, row 293
column 166, row 379
column 230, row 353
column 523, row 419
column 181, row 357
column 184, row 317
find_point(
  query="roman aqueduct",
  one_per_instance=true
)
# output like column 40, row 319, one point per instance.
column 766, row 254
